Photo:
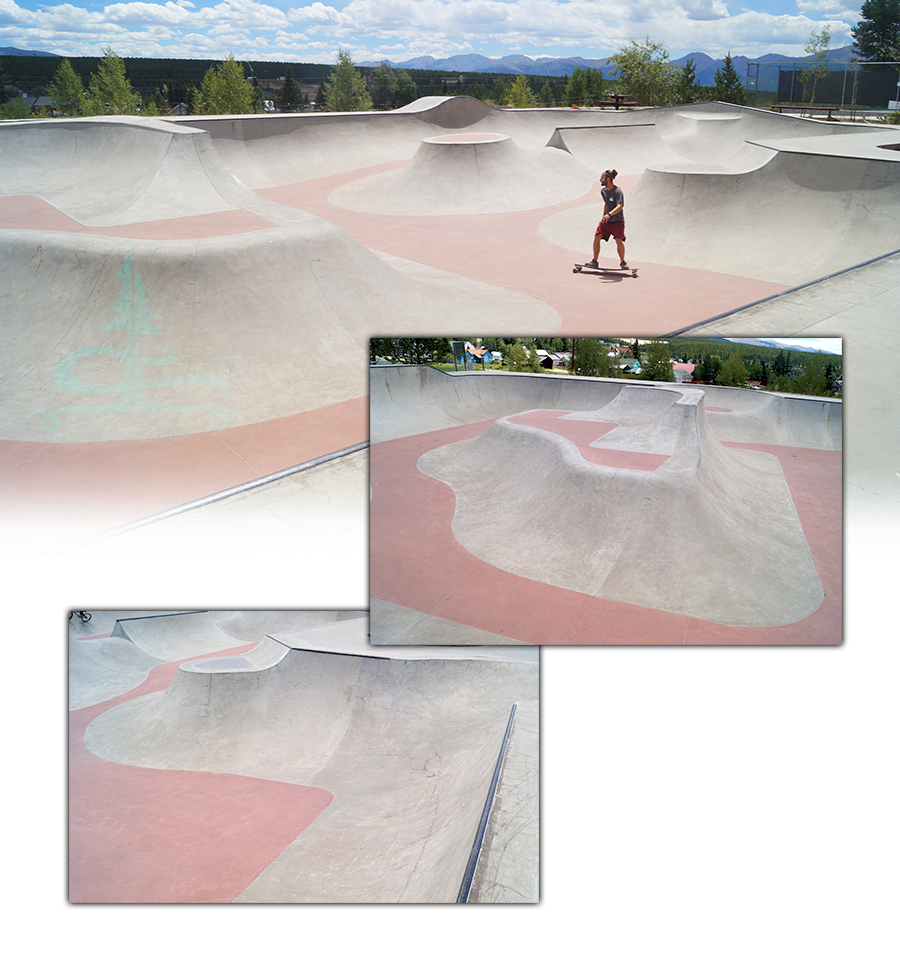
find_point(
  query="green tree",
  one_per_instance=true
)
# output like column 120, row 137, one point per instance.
column 645, row 72
column 66, row 92
column 590, row 357
column 583, row 87
column 225, row 90
column 15, row 108
column 7, row 90
column 289, row 95
column 109, row 91
column 733, row 372
column 546, row 94
column 812, row 72
column 656, row 363
column 519, row 94
column 382, row 86
column 729, row 88
column 406, row 91
column 390, row 88
column 687, row 84
column 346, row 91
column 877, row 35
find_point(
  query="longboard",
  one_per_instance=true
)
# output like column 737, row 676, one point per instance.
column 579, row 267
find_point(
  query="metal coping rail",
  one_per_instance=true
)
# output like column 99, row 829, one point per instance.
column 469, row 875
column 215, row 497
column 784, row 292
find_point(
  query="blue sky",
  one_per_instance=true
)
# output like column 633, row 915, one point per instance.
column 401, row 29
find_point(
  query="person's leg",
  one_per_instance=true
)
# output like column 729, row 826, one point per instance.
column 620, row 246
column 596, row 245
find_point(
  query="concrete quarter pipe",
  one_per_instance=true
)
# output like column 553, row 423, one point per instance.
column 303, row 767
column 577, row 511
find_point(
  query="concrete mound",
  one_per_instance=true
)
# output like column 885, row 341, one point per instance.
column 712, row 533
column 829, row 212
column 135, row 339
column 469, row 173
column 406, row 740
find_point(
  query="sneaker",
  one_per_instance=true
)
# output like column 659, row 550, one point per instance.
column 593, row 264
column 623, row 265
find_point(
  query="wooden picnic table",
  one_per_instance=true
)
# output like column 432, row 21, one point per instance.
column 616, row 100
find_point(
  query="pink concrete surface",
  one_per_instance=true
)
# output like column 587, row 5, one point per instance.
column 508, row 250
column 417, row 563
column 33, row 213
column 128, row 479
column 583, row 433
column 155, row 835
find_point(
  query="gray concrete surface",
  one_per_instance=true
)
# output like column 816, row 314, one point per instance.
column 406, row 740
column 863, row 306
column 712, row 533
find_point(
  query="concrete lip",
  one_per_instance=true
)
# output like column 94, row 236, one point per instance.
column 395, row 750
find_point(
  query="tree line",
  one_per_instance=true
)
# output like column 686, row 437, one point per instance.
column 716, row 362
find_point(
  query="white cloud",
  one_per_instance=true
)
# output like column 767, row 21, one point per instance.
column 402, row 29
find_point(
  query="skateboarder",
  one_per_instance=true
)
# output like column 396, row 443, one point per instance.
column 613, row 221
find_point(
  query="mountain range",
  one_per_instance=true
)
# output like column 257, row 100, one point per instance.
column 705, row 66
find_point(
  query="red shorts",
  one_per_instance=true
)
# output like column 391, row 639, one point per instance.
column 611, row 229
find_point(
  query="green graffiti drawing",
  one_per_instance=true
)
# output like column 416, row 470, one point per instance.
column 133, row 317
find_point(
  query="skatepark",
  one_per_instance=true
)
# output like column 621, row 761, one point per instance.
column 509, row 507
column 189, row 301
column 277, row 757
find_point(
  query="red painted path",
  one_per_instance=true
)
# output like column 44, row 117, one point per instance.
column 153, row 835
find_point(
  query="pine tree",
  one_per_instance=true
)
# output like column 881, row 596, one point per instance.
column 289, row 97
column 519, row 94
column 225, row 91
column 729, row 88
column 877, row 35
column 346, row 91
column 109, row 91
column 66, row 92
column 687, row 83
column 7, row 90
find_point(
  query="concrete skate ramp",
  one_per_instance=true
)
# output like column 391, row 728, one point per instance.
column 267, row 151
column 407, row 400
column 794, row 219
column 712, row 533
column 461, row 173
column 253, row 626
column 744, row 415
column 704, row 138
column 117, row 169
column 133, row 339
column 175, row 636
column 102, row 668
column 406, row 742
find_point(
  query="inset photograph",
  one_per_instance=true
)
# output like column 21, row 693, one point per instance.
column 606, row 491
column 274, row 756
